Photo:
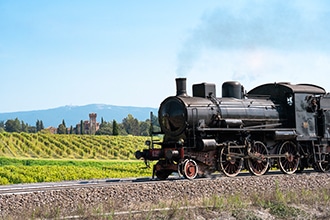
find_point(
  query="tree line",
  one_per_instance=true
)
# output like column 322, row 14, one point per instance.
column 128, row 126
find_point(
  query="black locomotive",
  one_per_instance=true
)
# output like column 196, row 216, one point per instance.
column 274, row 125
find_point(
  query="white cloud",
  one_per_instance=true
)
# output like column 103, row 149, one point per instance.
column 260, row 41
column 255, row 67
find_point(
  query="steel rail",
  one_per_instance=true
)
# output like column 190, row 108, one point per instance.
column 55, row 186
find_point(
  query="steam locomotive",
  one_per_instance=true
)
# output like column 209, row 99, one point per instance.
column 274, row 125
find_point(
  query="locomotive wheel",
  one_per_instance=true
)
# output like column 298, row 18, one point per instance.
column 290, row 162
column 324, row 165
column 323, row 162
column 190, row 169
column 258, row 164
column 163, row 174
column 230, row 166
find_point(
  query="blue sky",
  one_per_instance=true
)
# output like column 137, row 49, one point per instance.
column 128, row 53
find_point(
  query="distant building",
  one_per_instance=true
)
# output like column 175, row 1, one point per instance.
column 89, row 127
column 51, row 130
column 93, row 125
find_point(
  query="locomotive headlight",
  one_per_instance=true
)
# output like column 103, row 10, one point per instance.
column 172, row 116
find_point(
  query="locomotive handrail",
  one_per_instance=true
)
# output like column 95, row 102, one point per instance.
column 265, row 126
column 194, row 133
column 247, row 128
column 244, row 129
column 256, row 96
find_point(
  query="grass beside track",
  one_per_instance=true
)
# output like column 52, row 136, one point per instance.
column 14, row 171
column 273, row 204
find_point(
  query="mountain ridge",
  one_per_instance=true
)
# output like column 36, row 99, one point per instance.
column 72, row 115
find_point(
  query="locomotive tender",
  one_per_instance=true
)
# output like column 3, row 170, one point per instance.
column 274, row 125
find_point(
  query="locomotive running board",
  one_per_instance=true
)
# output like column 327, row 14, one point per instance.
column 269, row 156
column 272, row 156
column 244, row 129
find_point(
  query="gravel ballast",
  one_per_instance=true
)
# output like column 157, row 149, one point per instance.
column 129, row 196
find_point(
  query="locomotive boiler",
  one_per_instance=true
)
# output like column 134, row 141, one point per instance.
column 276, row 124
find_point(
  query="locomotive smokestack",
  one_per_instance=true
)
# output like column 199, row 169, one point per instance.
column 181, row 86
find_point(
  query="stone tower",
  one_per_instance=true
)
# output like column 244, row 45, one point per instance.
column 92, row 123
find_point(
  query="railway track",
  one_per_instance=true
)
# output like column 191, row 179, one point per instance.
column 41, row 187
column 131, row 195
column 47, row 186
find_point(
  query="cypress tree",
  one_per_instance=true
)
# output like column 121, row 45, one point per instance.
column 82, row 127
column 38, row 125
column 41, row 125
column 115, row 128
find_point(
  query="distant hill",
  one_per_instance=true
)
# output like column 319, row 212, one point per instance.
column 73, row 114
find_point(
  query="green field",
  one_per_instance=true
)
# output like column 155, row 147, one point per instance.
column 14, row 171
column 63, row 146
column 27, row 158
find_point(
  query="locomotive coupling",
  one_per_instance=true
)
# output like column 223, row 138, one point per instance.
column 149, row 154
column 139, row 154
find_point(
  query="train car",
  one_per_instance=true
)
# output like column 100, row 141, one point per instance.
column 276, row 124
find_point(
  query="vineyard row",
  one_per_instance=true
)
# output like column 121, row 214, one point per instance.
column 51, row 146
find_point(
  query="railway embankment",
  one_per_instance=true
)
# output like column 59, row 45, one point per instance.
column 133, row 200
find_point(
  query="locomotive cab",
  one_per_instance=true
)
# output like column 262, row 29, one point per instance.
column 325, row 106
column 295, row 108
